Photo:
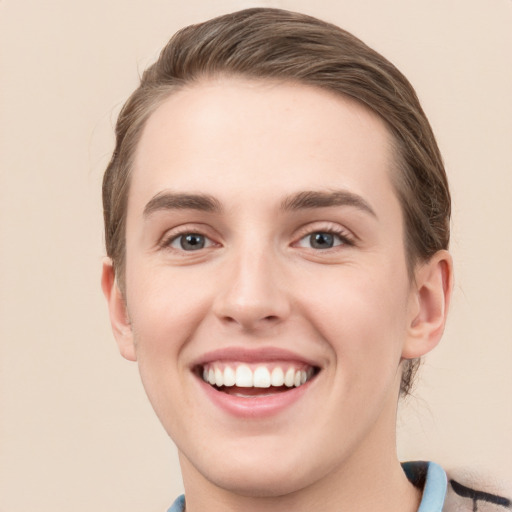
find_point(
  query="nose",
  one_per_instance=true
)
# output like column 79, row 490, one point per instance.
column 253, row 294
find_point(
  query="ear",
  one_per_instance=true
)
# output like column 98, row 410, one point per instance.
column 119, row 318
column 430, row 297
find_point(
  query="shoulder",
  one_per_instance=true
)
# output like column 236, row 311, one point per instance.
column 472, row 492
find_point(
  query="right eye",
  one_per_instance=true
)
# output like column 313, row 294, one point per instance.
column 190, row 242
column 321, row 240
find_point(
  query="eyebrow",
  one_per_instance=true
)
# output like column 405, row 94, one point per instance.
column 309, row 199
column 167, row 200
column 323, row 199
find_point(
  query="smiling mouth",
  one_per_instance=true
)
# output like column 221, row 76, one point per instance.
column 256, row 380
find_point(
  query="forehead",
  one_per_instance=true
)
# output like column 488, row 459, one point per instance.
column 255, row 136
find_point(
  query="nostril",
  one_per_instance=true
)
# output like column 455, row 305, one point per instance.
column 249, row 318
column 251, row 323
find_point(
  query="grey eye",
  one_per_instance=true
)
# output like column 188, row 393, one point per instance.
column 321, row 240
column 190, row 242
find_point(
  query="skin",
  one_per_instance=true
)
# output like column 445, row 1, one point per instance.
column 258, row 282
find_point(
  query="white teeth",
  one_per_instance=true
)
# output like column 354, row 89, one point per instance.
column 277, row 378
column 229, row 377
column 289, row 378
column 261, row 377
column 242, row 376
column 219, row 377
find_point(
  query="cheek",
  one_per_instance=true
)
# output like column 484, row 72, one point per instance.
column 165, row 309
column 362, row 316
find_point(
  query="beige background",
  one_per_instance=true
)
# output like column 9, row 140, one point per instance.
column 76, row 431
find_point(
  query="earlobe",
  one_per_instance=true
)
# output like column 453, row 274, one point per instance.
column 429, row 305
column 121, row 326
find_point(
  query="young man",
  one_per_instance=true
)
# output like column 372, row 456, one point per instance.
column 277, row 225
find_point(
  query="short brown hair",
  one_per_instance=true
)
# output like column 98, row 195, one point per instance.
column 265, row 43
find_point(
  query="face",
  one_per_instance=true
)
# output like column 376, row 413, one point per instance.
column 267, row 296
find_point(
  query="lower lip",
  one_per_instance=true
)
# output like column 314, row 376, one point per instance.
column 254, row 406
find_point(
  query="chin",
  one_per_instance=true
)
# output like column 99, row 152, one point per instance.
column 261, row 482
column 258, row 476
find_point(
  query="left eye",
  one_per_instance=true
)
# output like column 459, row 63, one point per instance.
column 321, row 240
column 191, row 242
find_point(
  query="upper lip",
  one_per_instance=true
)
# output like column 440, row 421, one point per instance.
column 253, row 355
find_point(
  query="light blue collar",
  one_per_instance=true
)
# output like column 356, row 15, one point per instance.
column 434, row 481
column 178, row 505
